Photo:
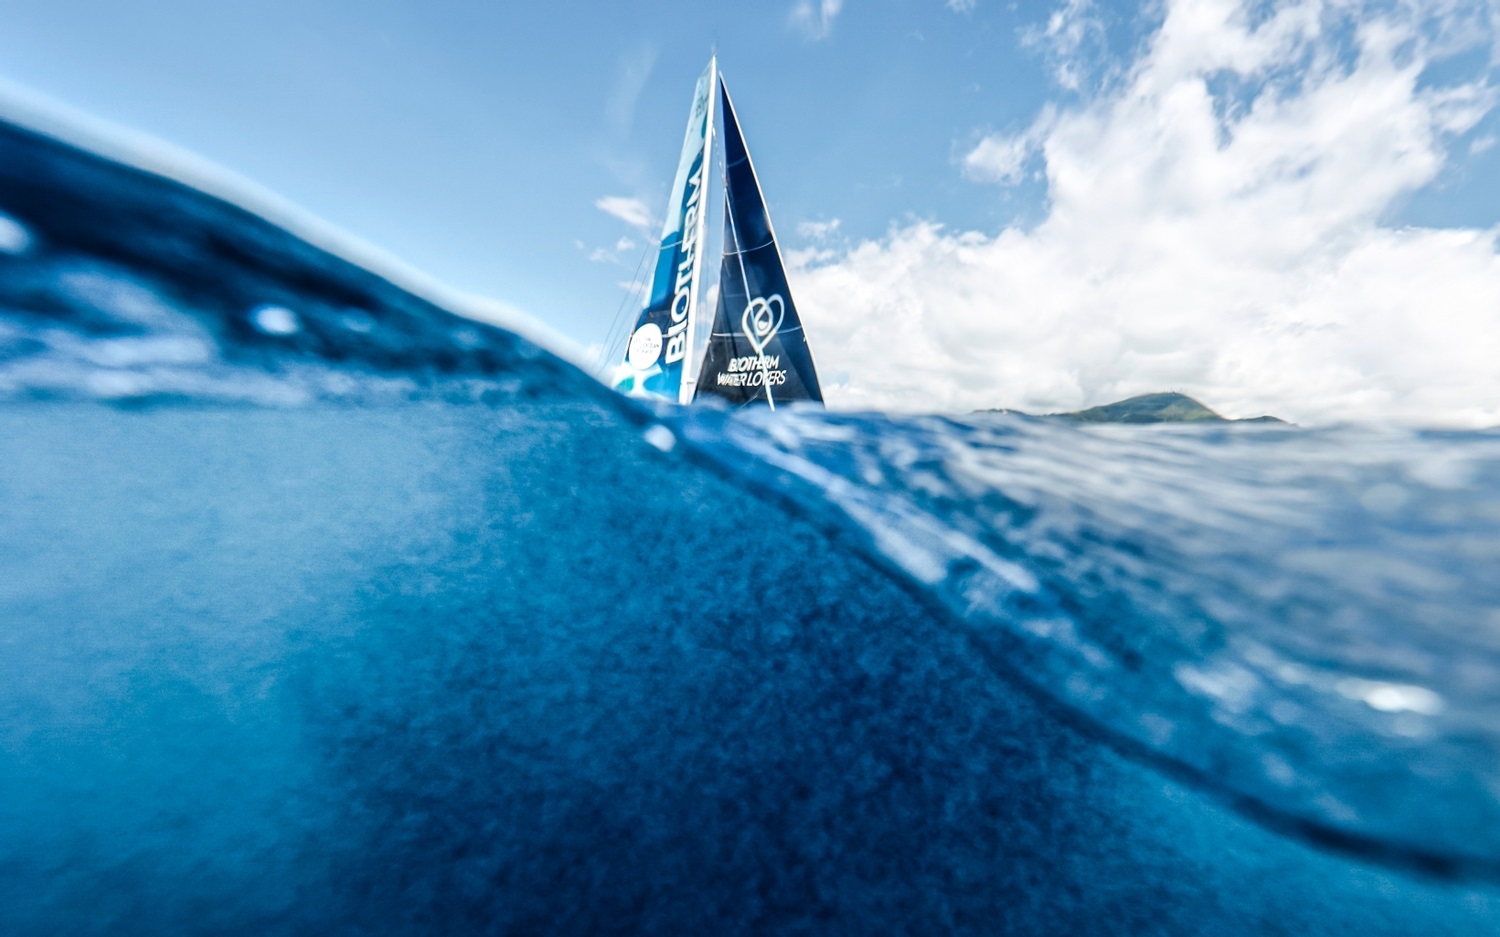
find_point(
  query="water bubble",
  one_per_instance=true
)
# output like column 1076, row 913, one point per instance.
column 1392, row 697
column 276, row 320
column 356, row 320
column 1442, row 470
column 154, row 350
column 14, row 238
column 660, row 437
column 1277, row 769
column 1384, row 498
column 115, row 384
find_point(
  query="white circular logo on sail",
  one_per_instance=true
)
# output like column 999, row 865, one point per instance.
column 761, row 320
column 645, row 346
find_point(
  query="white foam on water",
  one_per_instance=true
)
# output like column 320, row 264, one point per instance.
column 660, row 437
column 14, row 238
column 276, row 320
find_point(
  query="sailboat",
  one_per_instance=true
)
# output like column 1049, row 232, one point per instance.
column 752, row 349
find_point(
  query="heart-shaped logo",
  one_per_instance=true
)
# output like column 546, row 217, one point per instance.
column 761, row 320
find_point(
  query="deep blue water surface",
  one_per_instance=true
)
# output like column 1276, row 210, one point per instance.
column 323, row 610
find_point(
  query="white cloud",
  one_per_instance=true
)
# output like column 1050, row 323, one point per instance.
column 1003, row 157
column 816, row 19
column 1071, row 30
column 999, row 158
column 818, row 230
column 610, row 255
column 1231, row 249
column 632, row 211
column 962, row 6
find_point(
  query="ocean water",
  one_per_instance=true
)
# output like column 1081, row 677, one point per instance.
column 323, row 610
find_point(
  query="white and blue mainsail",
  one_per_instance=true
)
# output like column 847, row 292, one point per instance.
column 757, row 352
column 658, row 355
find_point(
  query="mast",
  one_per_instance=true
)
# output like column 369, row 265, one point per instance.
column 658, row 354
column 757, row 351
column 695, row 302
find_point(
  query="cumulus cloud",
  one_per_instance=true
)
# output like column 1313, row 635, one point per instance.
column 962, row 6
column 632, row 211
column 1215, row 226
column 815, row 20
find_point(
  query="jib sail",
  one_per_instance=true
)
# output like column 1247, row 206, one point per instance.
column 657, row 357
column 756, row 350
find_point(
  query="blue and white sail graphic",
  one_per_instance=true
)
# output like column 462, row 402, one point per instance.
column 658, row 355
column 757, row 351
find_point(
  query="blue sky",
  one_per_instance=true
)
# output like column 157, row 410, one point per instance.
column 1022, row 191
column 474, row 139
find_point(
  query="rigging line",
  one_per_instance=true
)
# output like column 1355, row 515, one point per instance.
column 604, row 356
column 611, row 338
column 755, row 248
column 623, row 327
column 734, row 229
column 637, row 279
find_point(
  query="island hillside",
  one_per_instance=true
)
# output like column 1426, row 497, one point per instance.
column 1149, row 408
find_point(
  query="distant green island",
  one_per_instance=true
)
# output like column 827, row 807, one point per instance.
column 1149, row 408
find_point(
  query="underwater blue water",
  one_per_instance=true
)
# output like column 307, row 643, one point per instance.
column 323, row 610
